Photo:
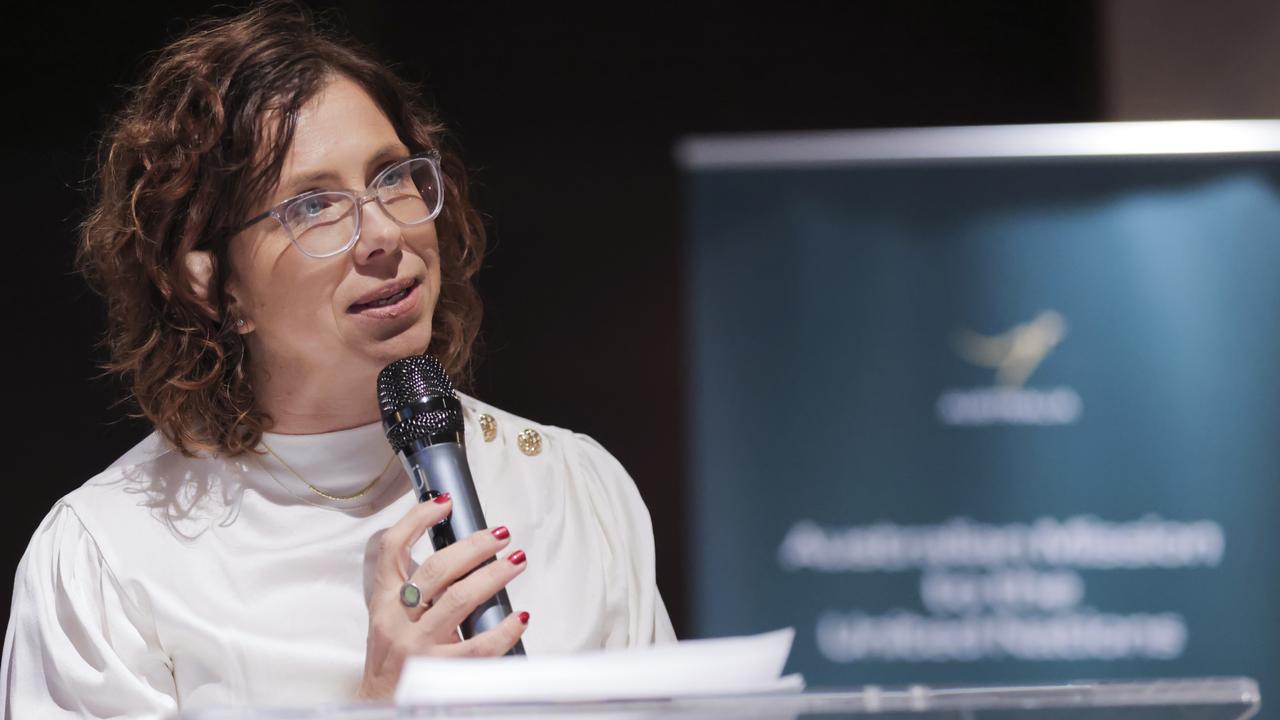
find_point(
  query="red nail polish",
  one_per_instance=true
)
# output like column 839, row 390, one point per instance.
column 501, row 532
column 524, row 618
column 441, row 499
column 517, row 557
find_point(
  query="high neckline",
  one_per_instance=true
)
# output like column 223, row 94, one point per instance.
column 339, row 464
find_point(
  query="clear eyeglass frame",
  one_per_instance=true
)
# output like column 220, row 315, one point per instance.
column 280, row 211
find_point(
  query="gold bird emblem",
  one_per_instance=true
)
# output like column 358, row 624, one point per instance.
column 1016, row 353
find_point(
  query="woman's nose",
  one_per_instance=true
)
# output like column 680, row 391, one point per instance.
column 378, row 232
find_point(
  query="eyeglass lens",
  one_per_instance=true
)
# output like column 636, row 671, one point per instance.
column 325, row 223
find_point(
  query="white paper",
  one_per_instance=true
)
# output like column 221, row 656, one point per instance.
column 725, row 666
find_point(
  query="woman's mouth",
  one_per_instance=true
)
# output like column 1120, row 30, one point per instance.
column 392, row 299
column 391, row 305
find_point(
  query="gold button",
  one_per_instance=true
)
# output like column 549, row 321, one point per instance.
column 488, row 426
column 530, row 442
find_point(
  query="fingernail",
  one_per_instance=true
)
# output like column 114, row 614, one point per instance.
column 524, row 618
column 517, row 557
column 501, row 532
column 441, row 499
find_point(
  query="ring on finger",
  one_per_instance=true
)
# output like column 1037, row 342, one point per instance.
column 411, row 596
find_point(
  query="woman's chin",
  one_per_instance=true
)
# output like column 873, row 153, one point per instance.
column 412, row 341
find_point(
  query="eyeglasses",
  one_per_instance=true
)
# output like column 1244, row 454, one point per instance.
column 324, row 223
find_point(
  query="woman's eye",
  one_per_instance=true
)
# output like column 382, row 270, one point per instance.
column 393, row 178
column 314, row 206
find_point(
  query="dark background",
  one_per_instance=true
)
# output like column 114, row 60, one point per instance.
column 568, row 118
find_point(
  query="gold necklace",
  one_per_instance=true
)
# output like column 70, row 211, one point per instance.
column 316, row 490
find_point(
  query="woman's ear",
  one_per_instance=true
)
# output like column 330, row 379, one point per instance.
column 200, row 274
column 200, row 271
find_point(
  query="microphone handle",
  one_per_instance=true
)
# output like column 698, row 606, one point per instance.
column 440, row 468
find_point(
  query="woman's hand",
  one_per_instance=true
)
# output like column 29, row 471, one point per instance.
column 449, row 594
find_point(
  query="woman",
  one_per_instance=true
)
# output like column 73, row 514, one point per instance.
column 279, row 219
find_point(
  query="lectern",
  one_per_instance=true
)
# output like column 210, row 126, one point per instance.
column 1183, row 699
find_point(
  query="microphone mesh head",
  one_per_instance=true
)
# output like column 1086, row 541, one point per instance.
column 407, row 381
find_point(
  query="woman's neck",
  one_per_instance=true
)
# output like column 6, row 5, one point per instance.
column 306, row 404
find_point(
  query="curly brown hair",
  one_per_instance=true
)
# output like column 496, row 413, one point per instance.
column 200, row 140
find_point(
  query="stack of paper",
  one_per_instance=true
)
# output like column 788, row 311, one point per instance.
column 728, row 666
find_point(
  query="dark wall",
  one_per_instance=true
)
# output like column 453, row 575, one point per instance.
column 568, row 119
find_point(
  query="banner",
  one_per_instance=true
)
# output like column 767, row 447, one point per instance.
column 985, row 422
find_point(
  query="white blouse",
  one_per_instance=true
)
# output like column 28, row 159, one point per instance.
column 168, row 583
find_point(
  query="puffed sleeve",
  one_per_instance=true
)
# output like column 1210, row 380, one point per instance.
column 629, row 533
column 77, row 645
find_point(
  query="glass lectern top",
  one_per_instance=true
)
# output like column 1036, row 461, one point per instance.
column 1182, row 699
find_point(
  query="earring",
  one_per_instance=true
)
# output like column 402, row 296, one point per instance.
column 239, row 322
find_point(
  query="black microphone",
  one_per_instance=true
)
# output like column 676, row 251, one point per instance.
column 423, row 422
